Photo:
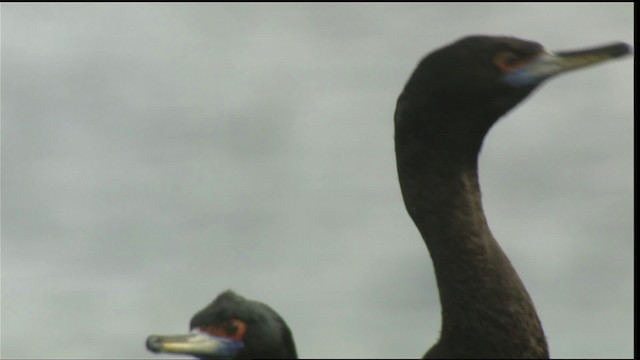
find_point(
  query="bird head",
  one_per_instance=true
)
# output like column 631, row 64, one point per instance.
column 460, row 90
column 231, row 327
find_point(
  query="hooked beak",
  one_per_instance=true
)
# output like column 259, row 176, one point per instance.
column 196, row 344
column 551, row 64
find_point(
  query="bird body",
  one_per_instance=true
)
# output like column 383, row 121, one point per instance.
column 448, row 105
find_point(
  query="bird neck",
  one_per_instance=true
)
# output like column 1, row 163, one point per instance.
column 485, row 307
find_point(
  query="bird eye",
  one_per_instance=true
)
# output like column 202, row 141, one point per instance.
column 231, row 327
column 507, row 61
column 234, row 329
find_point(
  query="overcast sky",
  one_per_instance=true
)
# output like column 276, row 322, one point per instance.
column 154, row 155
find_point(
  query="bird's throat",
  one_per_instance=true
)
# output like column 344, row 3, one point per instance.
column 481, row 295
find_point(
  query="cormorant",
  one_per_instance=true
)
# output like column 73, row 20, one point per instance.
column 442, row 116
column 454, row 96
column 231, row 327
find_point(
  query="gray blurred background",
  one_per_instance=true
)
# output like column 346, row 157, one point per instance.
column 154, row 155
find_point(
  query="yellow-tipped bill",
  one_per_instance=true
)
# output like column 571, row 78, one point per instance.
column 551, row 64
column 196, row 344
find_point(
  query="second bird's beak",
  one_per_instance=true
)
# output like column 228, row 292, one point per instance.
column 196, row 344
column 551, row 64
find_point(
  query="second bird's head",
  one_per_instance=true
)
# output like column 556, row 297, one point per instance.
column 231, row 327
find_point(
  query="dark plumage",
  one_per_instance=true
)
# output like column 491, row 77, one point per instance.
column 255, row 330
column 442, row 116
column 447, row 107
column 444, row 112
column 267, row 335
